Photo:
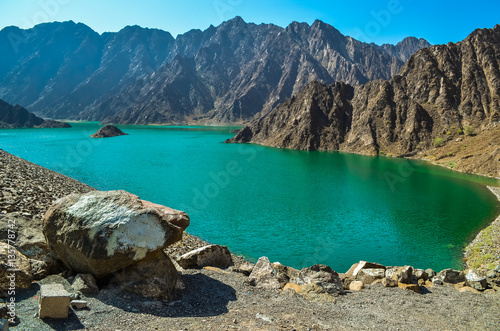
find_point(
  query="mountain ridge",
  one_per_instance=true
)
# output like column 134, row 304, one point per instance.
column 238, row 69
column 438, row 93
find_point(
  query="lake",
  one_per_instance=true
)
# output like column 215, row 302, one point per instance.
column 296, row 207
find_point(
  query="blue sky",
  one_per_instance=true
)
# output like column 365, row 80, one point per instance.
column 370, row 21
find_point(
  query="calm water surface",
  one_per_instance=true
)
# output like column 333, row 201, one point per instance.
column 298, row 208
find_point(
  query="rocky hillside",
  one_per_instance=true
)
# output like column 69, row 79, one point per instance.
column 223, row 74
column 18, row 117
column 443, row 103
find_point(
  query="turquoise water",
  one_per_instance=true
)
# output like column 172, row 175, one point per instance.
column 296, row 207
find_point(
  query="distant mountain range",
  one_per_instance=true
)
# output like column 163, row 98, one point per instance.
column 223, row 75
column 443, row 105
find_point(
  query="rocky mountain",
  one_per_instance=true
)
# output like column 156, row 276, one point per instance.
column 225, row 74
column 445, row 95
column 18, row 117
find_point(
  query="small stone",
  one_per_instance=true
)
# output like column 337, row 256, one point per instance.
column 54, row 301
column 451, row 276
column 403, row 275
column 86, row 284
column 390, row 271
column 356, row 286
column 412, row 287
column 475, row 281
column 356, row 268
column 430, row 273
column 210, row 255
column 263, row 275
column 389, row 282
column 490, row 292
column 78, row 304
column 437, row 281
column 421, row 274
column 292, row 286
column 468, row 289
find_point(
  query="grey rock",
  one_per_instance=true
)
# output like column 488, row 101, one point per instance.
column 86, row 284
column 263, row 275
column 421, row 274
column 451, row 276
column 78, row 304
column 323, row 277
column 211, row 255
column 475, row 281
column 430, row 273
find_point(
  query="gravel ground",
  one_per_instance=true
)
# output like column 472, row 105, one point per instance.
column 221, row 300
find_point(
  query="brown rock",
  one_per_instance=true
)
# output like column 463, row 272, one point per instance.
column 284, row 274
column 387, row 282
column 356, row 286
column 293, row 286
column 369, row 276
column 102, row 232
column 413, row 287
column 468, row 289
column 403, row 275
column 15, row 269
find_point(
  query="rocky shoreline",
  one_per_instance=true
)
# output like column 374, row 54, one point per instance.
column 217, row 299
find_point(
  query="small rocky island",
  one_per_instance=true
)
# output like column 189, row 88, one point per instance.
column 108, row 131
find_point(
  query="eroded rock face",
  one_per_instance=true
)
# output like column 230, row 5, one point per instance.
column 102, row 232
column 439, row 89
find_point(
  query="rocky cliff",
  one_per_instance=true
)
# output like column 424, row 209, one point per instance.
column 17, row 117
column 225, row 74
column 444, row 103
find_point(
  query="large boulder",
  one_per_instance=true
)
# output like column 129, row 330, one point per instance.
column 15, row 269
column 154, row 277
column 102, row 232
column 210, row 255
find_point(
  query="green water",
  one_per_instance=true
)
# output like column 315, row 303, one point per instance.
column 298, row 208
